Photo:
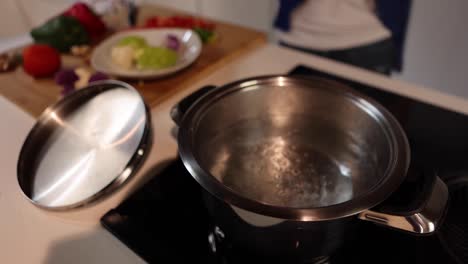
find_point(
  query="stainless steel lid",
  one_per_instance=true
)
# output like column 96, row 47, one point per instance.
column 84, row 146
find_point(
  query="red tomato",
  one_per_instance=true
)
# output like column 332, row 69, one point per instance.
column 152, row 22
column 201, row 23
column 184, row 22
column 179, row 21
column 190, row 22
column 169, row 22
column 40, row 60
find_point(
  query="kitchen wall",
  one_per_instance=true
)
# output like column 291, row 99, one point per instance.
column 18, row 16
column 436, row 52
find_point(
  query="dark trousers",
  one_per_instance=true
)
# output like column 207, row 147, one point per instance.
column 376, row 57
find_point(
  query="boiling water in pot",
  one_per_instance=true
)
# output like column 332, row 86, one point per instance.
column 309, row 163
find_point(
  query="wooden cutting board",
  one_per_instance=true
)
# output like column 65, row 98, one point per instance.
column 34, row 95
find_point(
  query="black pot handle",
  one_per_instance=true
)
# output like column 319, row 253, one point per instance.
column 178, row 110
column 418, row 206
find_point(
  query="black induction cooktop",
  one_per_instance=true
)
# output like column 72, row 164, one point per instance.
column 165, row 221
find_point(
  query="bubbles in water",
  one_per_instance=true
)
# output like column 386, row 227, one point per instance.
column 284, row 168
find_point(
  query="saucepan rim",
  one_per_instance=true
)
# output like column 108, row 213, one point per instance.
column 399, row 158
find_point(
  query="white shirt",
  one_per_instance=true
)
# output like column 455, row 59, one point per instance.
column 334, row 24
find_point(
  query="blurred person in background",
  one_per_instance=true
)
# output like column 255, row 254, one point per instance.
column 365, row 33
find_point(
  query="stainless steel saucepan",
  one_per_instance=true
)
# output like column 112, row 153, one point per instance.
column 298, row 153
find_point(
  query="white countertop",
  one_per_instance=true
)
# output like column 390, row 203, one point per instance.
column 32, row 235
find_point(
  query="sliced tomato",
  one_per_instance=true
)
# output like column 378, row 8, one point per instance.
column 152, row 22
column 179, row 21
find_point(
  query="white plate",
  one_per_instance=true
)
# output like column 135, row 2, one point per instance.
column 101, row 58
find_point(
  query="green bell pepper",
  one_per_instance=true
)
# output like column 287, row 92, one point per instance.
column 61, row 32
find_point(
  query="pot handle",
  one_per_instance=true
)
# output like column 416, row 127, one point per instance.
column 178, row 110
column 414, row 207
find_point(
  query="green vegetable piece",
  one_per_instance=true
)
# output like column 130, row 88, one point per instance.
column 205, row 35
column 61, row 32
column 135, row 42
column 156, row 58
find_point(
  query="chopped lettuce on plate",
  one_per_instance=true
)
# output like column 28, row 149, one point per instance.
column 155, row 58
column 135, row 42
column 134, row 52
